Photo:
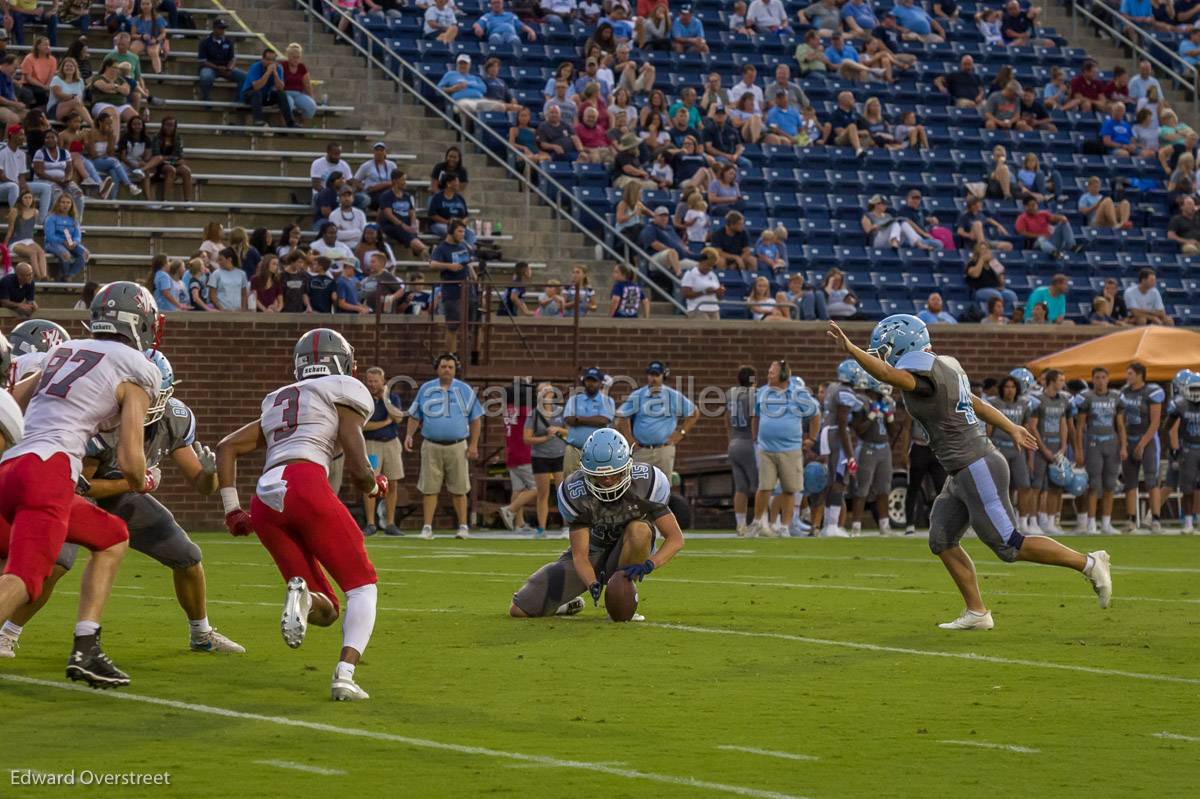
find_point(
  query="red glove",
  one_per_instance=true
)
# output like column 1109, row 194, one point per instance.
column 851, row 466
column 381, row 486
column 238, row 522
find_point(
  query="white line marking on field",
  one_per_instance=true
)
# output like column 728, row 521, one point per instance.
column 212, row 601
column 767, row 752
column 900, row 650
column 1171, row 736
column 1023, row 750
column 877, row 574
column 420, row 743
column 327, row 772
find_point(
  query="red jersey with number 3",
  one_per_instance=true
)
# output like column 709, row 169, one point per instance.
column 76, row 397
column 300, row 421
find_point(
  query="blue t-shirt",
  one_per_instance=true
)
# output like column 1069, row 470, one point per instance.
column 693, row 31
column 255, row 72
column 474, row 90
column 347, row 289
column 445, row 414
column 580, row 404
column 1119, row 131
column 388, row 432
column 655, row 416
column 652, row 233
column 1137, row 8
column 913, row 18
column 836, row 56
column 940, row 318
column 321, row 291
column 781, row 413
column 629, row 299
column 163, row 286
column 862, row 13
column 1088, row 201
column 452, row 254
column 401, row 205
column 786, row 119
column 448, row 207
column 504, row 23
column 1056, row 307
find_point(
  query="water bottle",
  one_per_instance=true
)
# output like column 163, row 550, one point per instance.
column 496, row 228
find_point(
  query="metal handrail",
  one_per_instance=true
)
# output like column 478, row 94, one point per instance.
column 1190, row 71
column 582, row 226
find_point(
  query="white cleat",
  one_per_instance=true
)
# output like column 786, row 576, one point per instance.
column 1100, row 577
column 345, row 689
column 1032, row 528
column 427, row 533
column 1155, row 526
column 570, row 608
column 856, row 530
column 1052, row 529
column 777, row 530
column 8, row 646
column 754, row 529
column 637, row 617
column 834, row 532
column 564, row 533
column 1106, row 528
column 509, row 518
column 970, row 620
column 1092, row 528
column 294, row 623
column 742, row 530
column 463, row 533
column 213, row 641
column 799, row 529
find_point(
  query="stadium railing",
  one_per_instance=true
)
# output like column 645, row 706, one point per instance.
column 582, row 219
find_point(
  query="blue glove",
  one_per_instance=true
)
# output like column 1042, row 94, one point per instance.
column 595, row 589
column 638, row 571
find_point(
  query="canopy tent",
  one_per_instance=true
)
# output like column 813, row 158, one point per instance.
column 1163, row 351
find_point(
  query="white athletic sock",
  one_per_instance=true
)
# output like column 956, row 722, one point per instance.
column 199, row 626
column 797, row 498
column 831, row 515
column 741, row 519
column 885, row 526
column 344, row 670
column 360, row 617
column 13, row 631
column 1083, row 520
column 1107, row 520
column 86, row 628
column 1043, row 520
column 1087, row 567
column 764, row 520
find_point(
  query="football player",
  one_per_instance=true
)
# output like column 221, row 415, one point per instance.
column 1048, row 423
column 1142, row 408
column 937, row 393
column 1009, row 402
column 1099, row 431
column 1184, row 422
column 613, row 507
column 297, row 516
column 838, row 441
column 87, row 386
column 31, row 341
column 874, row 425
column 170, row 433
column 12, row 421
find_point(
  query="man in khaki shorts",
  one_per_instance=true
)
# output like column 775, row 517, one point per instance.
column 585, row 412
column 382, row 435
column 649, row 419
column 448, row 414
column 780, row 411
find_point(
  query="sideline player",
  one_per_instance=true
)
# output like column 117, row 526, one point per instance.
column 1142, row 407
column 837, row 440
column 170, row 431
column 297, row 516
column 1008, row 401
column 1099, row 431
column 87, row 385
column 1048, row 423
column 937, row 393
column 874, row 424
column 1184, row 426
column 613, row 507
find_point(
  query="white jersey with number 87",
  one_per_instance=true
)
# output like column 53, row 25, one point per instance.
column 300, row 421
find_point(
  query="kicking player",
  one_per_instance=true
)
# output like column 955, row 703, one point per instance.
column 874, row 424
column 613, row 507
column 170, row 431
column 1142, row 407
column 297, row 516
column 87, row 385
column 1100, row 450
column 1048, row 423
column 1184, row 424
column 937, row 393
column 840, row 403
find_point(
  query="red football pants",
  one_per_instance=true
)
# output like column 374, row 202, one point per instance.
column 314, row 534
column 40, row 510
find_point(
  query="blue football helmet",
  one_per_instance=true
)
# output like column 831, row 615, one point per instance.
column 1180, row 381
column 1191, row 389
column 1077, row 486
column 850, row 373
column 1061, row 472
column 1024, row 378
column 796, row 381
column 606, row 454
column 816, row 477
column 898, row 335
column 166, row 388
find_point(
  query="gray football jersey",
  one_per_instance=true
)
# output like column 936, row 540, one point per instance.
column 739, row 401
column 1017, row 412
column 176, row 429
column 876, row 432
column 1135, row 404
column 1189, row 412
column 1049, row 413
column 1101, row 410
column 644, row 500
column 838, row 394
column 942, row 406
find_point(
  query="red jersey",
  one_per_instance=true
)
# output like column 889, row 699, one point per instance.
column 516, row 451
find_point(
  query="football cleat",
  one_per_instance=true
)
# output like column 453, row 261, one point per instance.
column 970, row 620
column 8, row 646
column 294, row 622
column 1106, row 528
column 741, row 531
column 1100, row 577
column 427, row 533
column 508, row 517
column 834, row 532
column 392, row 531
column 576, row 605
column 92, row 666
column 345, row 689
column 463, row 533
column 1155, row 525
column 213, row 641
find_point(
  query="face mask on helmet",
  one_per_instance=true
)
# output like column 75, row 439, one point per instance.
column 166, row 388
column 606, row 464
column 1192, row 390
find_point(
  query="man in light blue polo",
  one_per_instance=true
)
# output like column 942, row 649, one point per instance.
column 780, row 412
column 448, row 413
column 500, row 26
column 653, row 411
column 585, row 413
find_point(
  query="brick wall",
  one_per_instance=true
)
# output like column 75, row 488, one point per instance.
column 226, row 365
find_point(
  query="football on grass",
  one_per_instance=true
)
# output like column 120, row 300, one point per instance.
column 620, row 597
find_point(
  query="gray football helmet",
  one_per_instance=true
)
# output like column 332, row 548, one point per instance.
column 322, row 352
column 126, row 309
column 37, row 335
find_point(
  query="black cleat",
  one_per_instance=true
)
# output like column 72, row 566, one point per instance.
column 89, row 663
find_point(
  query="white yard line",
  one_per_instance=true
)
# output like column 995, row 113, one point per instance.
column 1023, row 750
column 1171, row 736
column 287, row 764
column 767, row 752
column 212, row 601
column 702, row 786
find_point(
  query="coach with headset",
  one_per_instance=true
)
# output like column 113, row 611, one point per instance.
column 780, row 411
column 585, row 413
column 448, row 414
column 655, row 411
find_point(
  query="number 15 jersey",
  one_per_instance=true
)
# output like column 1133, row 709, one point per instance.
column 300, row 421
column 942, row 405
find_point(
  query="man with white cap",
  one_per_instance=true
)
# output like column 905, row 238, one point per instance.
column 661, row 240
column 375, row 176
column 467, row 89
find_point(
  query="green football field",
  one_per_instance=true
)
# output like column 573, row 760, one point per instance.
column 765, row 668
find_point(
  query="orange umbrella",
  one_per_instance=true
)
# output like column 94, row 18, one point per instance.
column 1163, row 351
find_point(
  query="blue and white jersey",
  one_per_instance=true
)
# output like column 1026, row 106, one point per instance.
column 1136, row 405
column 839, row 395
column 1017, row 412
column 1101, row 411
column 1189, row 427
column 175, row 430
column 644, row 500
column 1049, row 412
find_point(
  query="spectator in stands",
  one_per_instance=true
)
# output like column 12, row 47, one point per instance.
column 451, row 164
column 627, row 165
column 217, row 58
column 1019, row 26
column 327, row 244
column 1116, row 133
column 1002, row 111
column 512, row 303
column 38, row 68
column 840, row 301
column 963, row 86
column 666, row 248
column 1144, row 80
column 267, row 285
column 783, row 121
column 1089, row 89
column 801, row 301
column 842, row 55
column 229, row 288
column 1054, row 298
column 102, row 149
column 565, row 73
column 702, row 289
column 1100, row 211
column 297, row 85
column 563, row 102
column 149, row 32
column 12, row 110
column 66, row 93
column 25, row 12
column 697, row 222
column 452, row 258
column 769, row 256
column 246, row 256
column 622, row 114
column 346, row 287
column 500, row 27
column 810, row 55
column 561, row 12
column 912, row 213
column 112, row 95
column 1152, row 102
column 1057, row 93
column 636, row 79
column 917, row 23
column 722, row 140
column 972, row 226
column 18, row 290
column 747, row 86
column 18, row 238
column 627, row 299
column 1138, row 12
column 63, row 238
column 591, row 98
column 653, row 31
column 681, row 129
column 1143, row 300
column 762, row 304
column 732, row 243
column 595, row 146
column 859, row 19
column 447, row 206
column 523, row 137
column 375, row 175
column 737, row 19
column 995, row 313
column 935, row 312
column 1039, row 314
column 397, row 215
column 13, row 172
column 1112, row 293
column 1050, row 233
column 687, row 32
column 136, row 153
column 783, row 82
column 440, row 22
column 884, row 229
column 618, row 22
column 322, row 287
column 724, row 193
column 556, row 138
column 331, row 162
column 985, row 278
column 1184, row 226
column 1176, row 137
column 1102, row 313
column 264, row 86
column 987, row 21
column 587, row 295
column 1145, row 133
column 214, row 241
column 372, row 242
column 348, row 220
column 849, row 128
column 823, row 16
column 1034, row 113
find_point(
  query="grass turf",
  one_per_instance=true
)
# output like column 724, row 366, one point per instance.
column 665, row 711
